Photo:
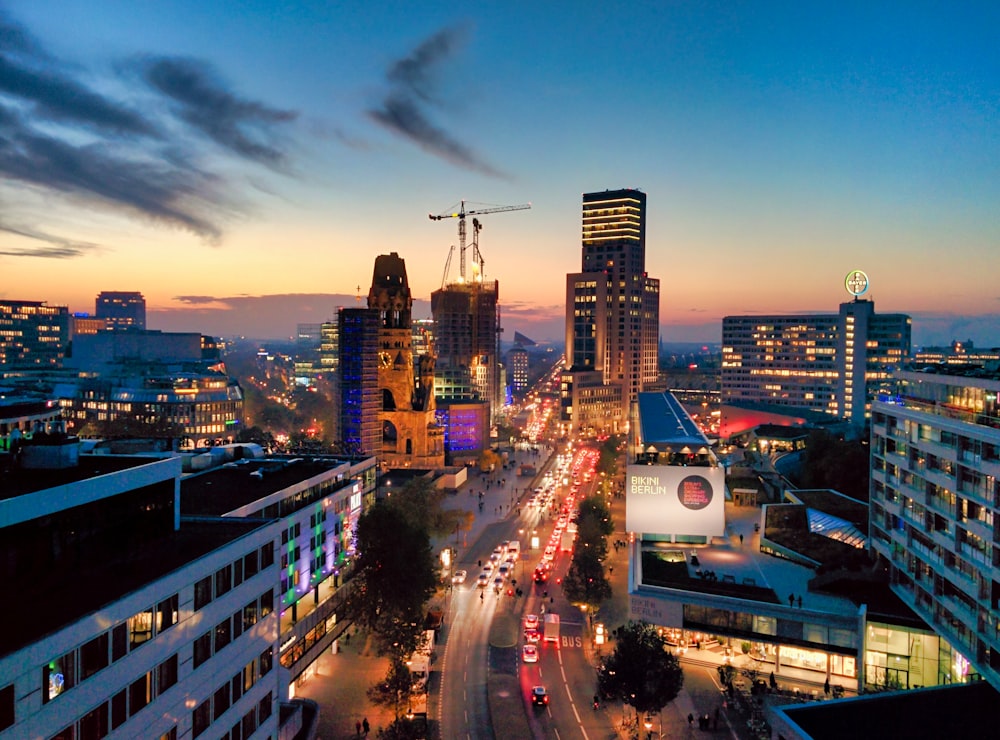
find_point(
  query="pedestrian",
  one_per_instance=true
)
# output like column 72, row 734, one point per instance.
column 741, row 539
column 611, row 569
column 800, row 601
column 690, row 720
column 826, row 687
column 791, row 599
column 365, row 726
column 357, row 726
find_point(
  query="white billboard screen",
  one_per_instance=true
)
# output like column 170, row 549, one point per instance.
column 667, row 499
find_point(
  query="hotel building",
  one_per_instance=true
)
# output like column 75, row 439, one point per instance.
column 612, row 314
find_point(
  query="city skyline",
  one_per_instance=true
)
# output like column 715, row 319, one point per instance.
column 242, row 166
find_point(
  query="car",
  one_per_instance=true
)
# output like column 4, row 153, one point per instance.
column 539, row 696
column 531, row 621
column 532, row 635
column 504, row 570
column 541, row 574
column 498, row 583
column 529, row 653
column 459, row 576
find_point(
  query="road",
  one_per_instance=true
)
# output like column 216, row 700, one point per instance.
column 565, row 669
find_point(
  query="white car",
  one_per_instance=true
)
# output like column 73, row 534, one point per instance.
column 529, row 653
column 483, row 580
column 530, row 621
column 459, row 576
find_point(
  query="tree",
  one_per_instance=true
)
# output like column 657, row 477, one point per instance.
column 585, row 582
column 395, row 575
column 421, row 502
column 640, row 671
column 395, row 689
column 593, row 521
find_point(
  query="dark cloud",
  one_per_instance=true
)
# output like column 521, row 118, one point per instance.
column 413, row 86
column 59, row 135
column 62, row 99
column 52, row 247
column 91, row 172
column 242, row 126
column 415, row 72
column 403, row 116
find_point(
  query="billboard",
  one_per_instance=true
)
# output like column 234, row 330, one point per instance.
column 669, row 499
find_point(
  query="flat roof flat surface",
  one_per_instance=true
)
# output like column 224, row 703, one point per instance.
column 16, row 482
column 50, row 598
column 664, row 421
column 959, row 711
column 227, row 488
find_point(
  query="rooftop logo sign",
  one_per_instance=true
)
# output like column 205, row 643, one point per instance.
column 856, row 283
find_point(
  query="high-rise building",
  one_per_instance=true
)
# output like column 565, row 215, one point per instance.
column 32, row 335
column 612, row 314
column 832, row 363
column 935, row 505
column 360, row 403
column 410, row 434
column 121, row 310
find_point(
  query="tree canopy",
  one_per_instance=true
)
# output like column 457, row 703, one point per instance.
column 395, row 576
column 640, row 671
column 420, row 501
column 836, row 463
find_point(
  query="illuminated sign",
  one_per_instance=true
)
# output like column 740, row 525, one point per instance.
column 669, row 499
column 856, row 283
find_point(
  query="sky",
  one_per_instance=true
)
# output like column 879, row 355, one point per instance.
column 243, row 163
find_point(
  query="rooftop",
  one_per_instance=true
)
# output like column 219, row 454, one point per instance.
column 50, row 598
column 16, row 482
column 728, row 566
column 224, row 489
column 665, row 424
column 950, row 711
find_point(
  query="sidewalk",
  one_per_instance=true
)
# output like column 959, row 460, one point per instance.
column 339, row 684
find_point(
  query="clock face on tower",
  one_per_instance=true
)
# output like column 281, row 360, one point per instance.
column 384, row 359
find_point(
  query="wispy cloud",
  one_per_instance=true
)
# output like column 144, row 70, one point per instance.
column 59, row 135
column 245, row 127
column 49, row 246
column 414, row 87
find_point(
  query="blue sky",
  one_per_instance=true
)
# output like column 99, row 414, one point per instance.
column 242, row 164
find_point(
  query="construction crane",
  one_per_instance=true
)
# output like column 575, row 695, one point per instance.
column 460, row 214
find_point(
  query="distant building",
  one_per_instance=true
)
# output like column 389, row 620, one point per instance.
column 517, row 361
column 612, row 314
column 360, row 400
column 33, row 335
column 834, row 363
column 121, row 310
column 935, row 504
column 308, row 338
